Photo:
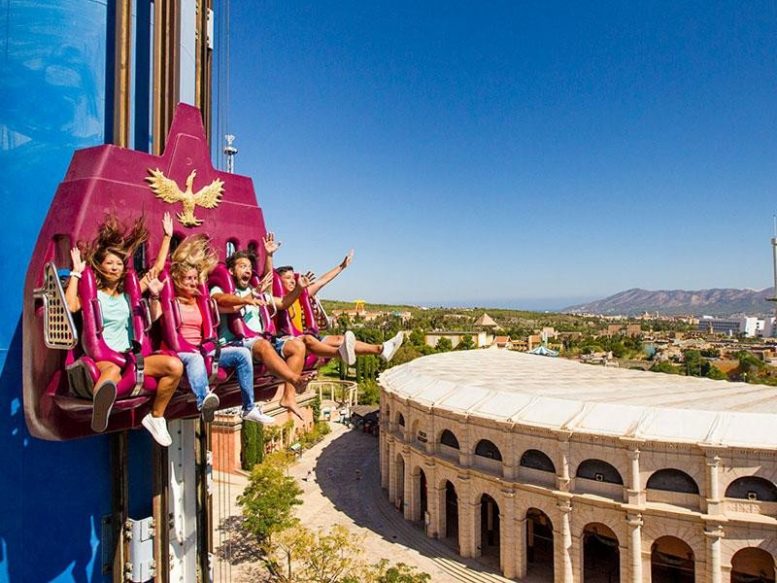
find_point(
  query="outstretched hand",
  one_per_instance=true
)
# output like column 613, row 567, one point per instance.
column 347, row 261
column 271, row 245
column 78, row 264
column 266, row 283
column 306, row 279
column 155, row 286
column 167, row 225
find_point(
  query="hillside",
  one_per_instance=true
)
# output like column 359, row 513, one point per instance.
column 711, row 302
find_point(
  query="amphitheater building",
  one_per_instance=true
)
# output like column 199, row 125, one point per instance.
column 558, row 471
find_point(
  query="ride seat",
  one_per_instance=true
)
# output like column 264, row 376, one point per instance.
column 82, row 371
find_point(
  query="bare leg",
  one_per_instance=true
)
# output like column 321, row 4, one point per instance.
column 168, row 370
column 361, row 347
column 294, row 352
column 264, row 352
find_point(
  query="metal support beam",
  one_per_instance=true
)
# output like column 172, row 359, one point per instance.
column 119, row 502
column 160, row 496
column 166, row 68
column 121, row 72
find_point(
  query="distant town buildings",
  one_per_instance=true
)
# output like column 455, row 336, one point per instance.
column 747, row 326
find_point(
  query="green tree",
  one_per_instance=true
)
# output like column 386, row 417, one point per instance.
column 369, row 392
column 466, row 343
column 269, row 499
column 252, row 442
column 444, row 344
column 715, row 373
column 665, row 367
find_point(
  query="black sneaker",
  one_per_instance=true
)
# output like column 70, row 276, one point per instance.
column 104, row 398
column 209, row 406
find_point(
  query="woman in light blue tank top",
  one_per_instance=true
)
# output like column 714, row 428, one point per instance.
column 108, row 254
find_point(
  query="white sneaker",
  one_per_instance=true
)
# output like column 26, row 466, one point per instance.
column 347, row 349
column 209, row 405
column 390, row 347
column 257, row 416
column 157, row 427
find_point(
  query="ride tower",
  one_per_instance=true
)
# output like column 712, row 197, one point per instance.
column 102, row 80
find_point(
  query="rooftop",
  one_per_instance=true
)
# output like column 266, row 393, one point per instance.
column 566, row 395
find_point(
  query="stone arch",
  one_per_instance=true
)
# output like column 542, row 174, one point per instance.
column 539, row 558
column 752, row 488
column 488, row 449
column 672, row 480
column 752, row 565
column 451, row 512
column 487, row 526
column 400, row 419
column 672, row 559
column 447, row 437
column 537, row 460
column 688, row 532
column 420, row 493
column 398, row 477
column 599, row 471
column 600, row 551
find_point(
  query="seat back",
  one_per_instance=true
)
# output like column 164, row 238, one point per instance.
column 92, row 340
column 283, row 321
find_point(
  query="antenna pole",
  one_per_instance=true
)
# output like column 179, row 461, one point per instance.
column 774, row 268
column 231, row 151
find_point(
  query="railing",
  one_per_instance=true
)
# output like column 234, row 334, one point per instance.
column 342, row 392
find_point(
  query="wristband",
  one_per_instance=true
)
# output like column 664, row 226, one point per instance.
column 76, row 274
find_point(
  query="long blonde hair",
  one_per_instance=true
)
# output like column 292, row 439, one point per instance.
column 194, row 252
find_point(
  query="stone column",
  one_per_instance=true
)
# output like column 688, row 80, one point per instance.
column 436, row 509
column 562, row 541
column 521, row 547
column 636, row 494
column 635, row 546
column 384, row 461
column 714, row 536
column 409, row 497
column 713, row 481
column 507, row 534
column 468, row 534
column 392, row 473
column 562, row 479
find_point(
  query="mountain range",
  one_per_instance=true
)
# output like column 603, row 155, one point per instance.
column 709, row 302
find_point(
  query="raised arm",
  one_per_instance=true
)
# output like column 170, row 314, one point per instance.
column 154, row 289
column 164, row 249
column 71, row 293
column 304, row 281
column 331, row 274
column 271, row 245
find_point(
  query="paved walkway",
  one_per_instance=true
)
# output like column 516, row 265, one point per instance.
column 335, row 493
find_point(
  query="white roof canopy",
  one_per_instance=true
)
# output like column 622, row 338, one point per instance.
column 565, row 395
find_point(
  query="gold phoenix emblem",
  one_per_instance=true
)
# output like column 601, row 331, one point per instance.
column 207, row 197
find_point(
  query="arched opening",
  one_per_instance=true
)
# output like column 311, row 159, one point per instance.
column 451, row 514
column 401, row 420
column 423, row 495
column 752, row 488
column 536, row 460
column 448, row 439
column 539, row 545
column 489, row 527
column 487, row 449
column 599, row 471
column 671, row 480
column 601, row 556
column 672, row 561
column 752, row 565
column 399, row 484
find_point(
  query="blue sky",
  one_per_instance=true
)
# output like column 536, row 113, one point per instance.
column 511, row 153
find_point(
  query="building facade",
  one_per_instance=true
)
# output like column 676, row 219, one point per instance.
column 571, row 473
